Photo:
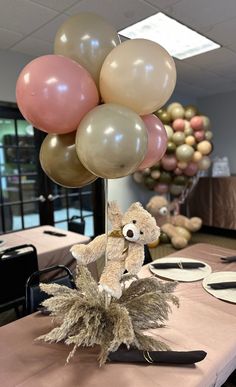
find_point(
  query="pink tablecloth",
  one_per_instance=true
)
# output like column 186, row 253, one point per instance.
column 51, row 250
column 201, row 322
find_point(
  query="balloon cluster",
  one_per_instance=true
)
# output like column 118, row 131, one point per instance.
column 188, row 149
column 94, row 97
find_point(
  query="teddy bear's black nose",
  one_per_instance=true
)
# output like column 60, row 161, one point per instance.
column 130, row 233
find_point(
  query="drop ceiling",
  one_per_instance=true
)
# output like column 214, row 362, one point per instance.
column 29, row 27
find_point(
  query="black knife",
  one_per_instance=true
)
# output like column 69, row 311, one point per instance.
column 229, row 259
column 223, row 285
column 177, row 265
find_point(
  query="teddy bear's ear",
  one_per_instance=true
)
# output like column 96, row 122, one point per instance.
column 135, row 206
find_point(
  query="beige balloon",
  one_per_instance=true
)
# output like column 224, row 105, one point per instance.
column 169, row 131
column 139, row 74
column 86, row 38
column 60, row 162
column 111, row 141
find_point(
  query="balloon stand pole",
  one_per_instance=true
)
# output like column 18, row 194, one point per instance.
column 107, row 297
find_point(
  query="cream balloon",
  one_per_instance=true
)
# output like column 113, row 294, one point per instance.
column 86, row 38
column 204, row 163
column 204, row 147
column 190, row 140
column 208, row 135
column 111, row 141
column 197, row 156
column 206, row 123
column 139, row 74
column 169, row 131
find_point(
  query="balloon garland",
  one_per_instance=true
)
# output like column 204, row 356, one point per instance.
column 188, row 149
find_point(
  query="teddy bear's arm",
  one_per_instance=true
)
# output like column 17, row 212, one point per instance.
column 135, row 258
column 85, row 254
column 192, row 224
column 114, row 215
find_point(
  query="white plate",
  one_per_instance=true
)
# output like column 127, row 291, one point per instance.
column 183, row 275
column 222, row 294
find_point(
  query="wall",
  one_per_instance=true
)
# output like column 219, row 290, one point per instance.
column 221, row 109
column 11, row 63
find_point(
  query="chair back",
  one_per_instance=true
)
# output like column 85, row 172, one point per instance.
column 76, row 224
column 35, row 296
column 16, row 265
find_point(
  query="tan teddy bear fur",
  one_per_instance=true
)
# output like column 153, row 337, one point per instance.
column 159, row 207
column 124, row 245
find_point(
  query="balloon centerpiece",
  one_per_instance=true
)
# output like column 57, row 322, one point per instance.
column 187, row 153
column 61, row 95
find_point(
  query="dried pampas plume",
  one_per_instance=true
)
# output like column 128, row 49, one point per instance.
column 84, row 319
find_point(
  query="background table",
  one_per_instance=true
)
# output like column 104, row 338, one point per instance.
column 202, row 322
column 51, row 250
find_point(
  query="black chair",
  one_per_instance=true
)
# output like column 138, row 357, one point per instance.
column 147, row 255
column 35, row 296
column 76, row 224
column 16, row 265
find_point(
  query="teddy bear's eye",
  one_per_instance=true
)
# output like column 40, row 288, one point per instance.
column 141, row 232
column 134, row 221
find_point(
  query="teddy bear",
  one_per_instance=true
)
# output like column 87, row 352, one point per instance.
column 123, row 245
column 176, row 227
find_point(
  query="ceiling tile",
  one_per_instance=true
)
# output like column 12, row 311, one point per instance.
column 213, row 59
column 8, row 38
column 34, row 47
column 162, row 3
column 120, row 13
column 203, row 14
column 223, row 33
column 58, row 5
column 23, row 16
column 49, row 31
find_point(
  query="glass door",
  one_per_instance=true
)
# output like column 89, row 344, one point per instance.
column 28, row 198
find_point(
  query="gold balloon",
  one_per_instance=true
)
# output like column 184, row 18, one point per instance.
column 178, row 138
column 139, row 74
column 190, row 111
column 86, row 38
column 177, row 112
column 208, row 135
column 190, row 140
column 111, row 141
column 184, row 152
column 164, row 116
column 60, row 162
column 173, row 105
column 206, row 123
column 204, row 163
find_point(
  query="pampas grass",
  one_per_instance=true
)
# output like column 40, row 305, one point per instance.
column 84, row 319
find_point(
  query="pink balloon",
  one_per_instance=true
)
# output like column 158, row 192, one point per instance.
column 169, row 163
column 54, row 93
column 178, row 124
column 157, row 141
column 178, row 171
column 197, row 123
column 191, row 169
column 199, row 135
column 161, row 188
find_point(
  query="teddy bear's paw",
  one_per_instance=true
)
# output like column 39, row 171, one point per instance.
column 112, row 291
column 179, row 242
column 196, row 224
column 79, row 252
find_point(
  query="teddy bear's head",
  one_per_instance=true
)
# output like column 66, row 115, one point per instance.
column 159, row 207
column 139, row 226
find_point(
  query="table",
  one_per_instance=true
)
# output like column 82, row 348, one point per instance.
column 51, row 250
column 202, row 322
